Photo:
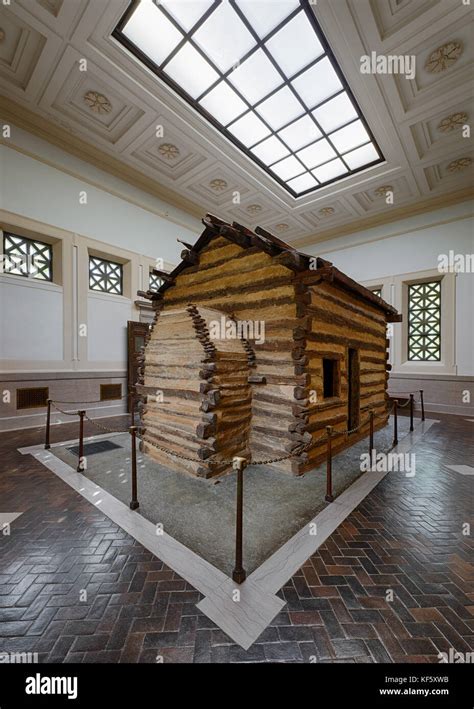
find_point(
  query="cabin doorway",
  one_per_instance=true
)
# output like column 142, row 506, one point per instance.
column 353, row 391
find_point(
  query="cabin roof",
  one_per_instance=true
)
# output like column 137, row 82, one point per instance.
column 311, row 269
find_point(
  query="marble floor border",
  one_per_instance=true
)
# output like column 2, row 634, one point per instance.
column 243, row 612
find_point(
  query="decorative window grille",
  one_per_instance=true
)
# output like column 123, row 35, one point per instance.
column 155, row 281
column 424, row 322
column 27, row 257
column 105, row 276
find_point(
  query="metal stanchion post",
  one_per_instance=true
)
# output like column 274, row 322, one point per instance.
column 395, row 422
column 371, row 439
column 80, row 462
column 412, row 407
column 239, row 574
column 422, row 405
column 329, row 496
column 134, row 504
column 131, row 400
column 48, row 424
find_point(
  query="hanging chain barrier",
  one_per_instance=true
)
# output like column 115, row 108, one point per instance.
column 66, row 413
column 101, row 426
column 297, row 451
column 302, row 448
column 98, row 401
column 238, row 463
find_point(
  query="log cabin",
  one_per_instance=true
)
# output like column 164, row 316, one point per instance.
column 254, row 350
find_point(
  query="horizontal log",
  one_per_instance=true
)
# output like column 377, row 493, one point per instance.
column 321, row 337
column 345, row 323
column 331, row 296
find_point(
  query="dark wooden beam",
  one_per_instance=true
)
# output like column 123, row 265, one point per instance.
column 167, row 277
column 190, row 256
column 185, row 243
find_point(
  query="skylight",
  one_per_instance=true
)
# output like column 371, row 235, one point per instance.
column 262, row 72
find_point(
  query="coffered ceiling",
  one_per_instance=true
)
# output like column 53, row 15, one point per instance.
column 64, row 77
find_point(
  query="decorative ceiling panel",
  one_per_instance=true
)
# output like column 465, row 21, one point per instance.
column 114, row 107
column 20, row 49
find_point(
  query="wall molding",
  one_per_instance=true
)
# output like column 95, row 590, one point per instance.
column 427, row 205
column 73, row 145
column 401, row 232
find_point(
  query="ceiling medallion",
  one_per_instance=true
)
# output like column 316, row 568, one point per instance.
column 382, row 190
column 452, row 122
column 218, row 185
column 98, row 103
column 169, row 151
column 443, row 57
column 254, row 208
column 459, row 164
column 327, row 211
column 282, row 227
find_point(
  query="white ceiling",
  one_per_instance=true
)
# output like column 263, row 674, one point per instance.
column 43, row 44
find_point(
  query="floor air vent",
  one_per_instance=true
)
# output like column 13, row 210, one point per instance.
column 96, row 447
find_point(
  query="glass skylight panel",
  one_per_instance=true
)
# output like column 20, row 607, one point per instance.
column 287, row 168
column 223, row 103
column 335, row 113
column 186, row 12
column 330, row 170
column 280, row 108
column 256, row 77
column 318, row 83
column 361, row 156
column 302, row 183
column 300, row 133
column 316, row 154
column 223, row 37
column 196, row 80
column 349, row 137
column 145, row 25
column 295, row 45
column 262, row 71
column 249, row 129
column 265, row 15
column 270, row 150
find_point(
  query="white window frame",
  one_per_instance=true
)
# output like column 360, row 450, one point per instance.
column 395, row 292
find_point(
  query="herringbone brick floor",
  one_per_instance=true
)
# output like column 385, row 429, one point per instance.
column 392, row 584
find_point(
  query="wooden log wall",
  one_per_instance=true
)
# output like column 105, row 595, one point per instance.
column 250, row 285
column 197, row 391
column 214, row 410
column 340, row 320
